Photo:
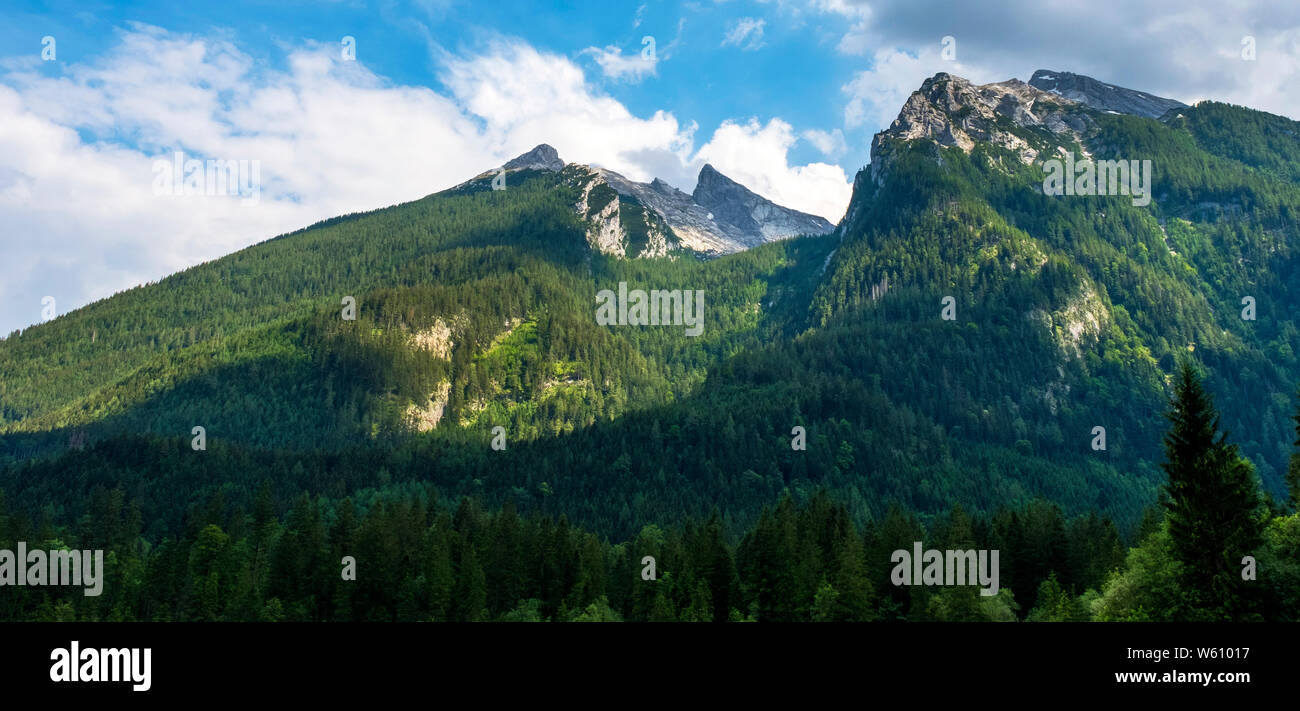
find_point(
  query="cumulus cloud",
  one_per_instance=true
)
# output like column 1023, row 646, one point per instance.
column 746, row 33
column 503, row 88
column 77, row 190
column 757, row 156
column 331, row 137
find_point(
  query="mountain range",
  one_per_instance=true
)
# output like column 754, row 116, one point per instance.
column 627, row 218
column 474, row 311
column 968, row 359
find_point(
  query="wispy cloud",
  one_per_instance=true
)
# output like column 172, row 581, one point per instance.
column 746, row 33
column 620, row 67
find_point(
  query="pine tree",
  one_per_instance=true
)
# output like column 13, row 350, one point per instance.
column 471, row 589
column 1293, row 472
column 1214, row 507
column 856, row 596
column 1055, row 604
column 825, row 603
column 442, row 579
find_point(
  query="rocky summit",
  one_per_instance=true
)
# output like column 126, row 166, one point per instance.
column 1102, row 96
column 627, row 218
column 951, row 111
column 749, row 213
column 543, row 157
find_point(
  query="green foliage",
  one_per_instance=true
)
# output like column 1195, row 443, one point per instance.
column 420, row 557
column 1214, row 512
column 1055, row 604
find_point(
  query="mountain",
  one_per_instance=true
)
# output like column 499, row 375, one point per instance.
column 1102, row 96
column 475, row 311
column 733, row 204
column 542, row 157
column 631, row 219
column 949, row 111
column 1093, row 294
column 966, row 357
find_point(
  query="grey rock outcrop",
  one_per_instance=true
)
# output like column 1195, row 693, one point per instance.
column 1102, row 96
column 951, row 111
column 632, row 219
column 749, row 213
column 543, row 157
column 690, row 222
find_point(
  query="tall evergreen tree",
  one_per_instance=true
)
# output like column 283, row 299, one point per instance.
column 1214, row 510
column 1293, row 472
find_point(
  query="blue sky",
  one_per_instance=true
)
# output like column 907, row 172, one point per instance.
column 782, row 96
column 786, row 66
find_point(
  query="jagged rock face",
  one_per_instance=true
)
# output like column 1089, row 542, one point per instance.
column 436, row 339
column 751, row 214
column 951, row 111
column 630, row 219
column 618, row 223
column 543, row 157
column 1102, row 96
column 689, row 222
column 722, row 216
column 604, row 228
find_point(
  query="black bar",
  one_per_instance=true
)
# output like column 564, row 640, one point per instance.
column 332, row 661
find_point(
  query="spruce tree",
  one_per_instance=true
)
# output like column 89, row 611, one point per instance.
column 1293, row 472
column 1214, row 507
column 856, row 597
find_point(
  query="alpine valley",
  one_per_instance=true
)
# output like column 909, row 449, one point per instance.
column 966, row 361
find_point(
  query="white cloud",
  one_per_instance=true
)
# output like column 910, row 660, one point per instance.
column 330, row 138
column 757, row 156
column 877, row 94
column 857, row 39
column 503, row 89
column 746, row 33
column 615, row 65
column 76, row 151
column 830, row 143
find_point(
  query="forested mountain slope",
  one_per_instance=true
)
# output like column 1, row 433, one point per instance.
column 474, row 310
column 1070, row 311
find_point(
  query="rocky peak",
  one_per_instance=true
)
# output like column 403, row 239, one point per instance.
column 727, row 200
column 749, row 213
column 662, row 186
column 543, row 157
column 1102, row 96
column 627, row 218
column 951, row 111
column 710, row 177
